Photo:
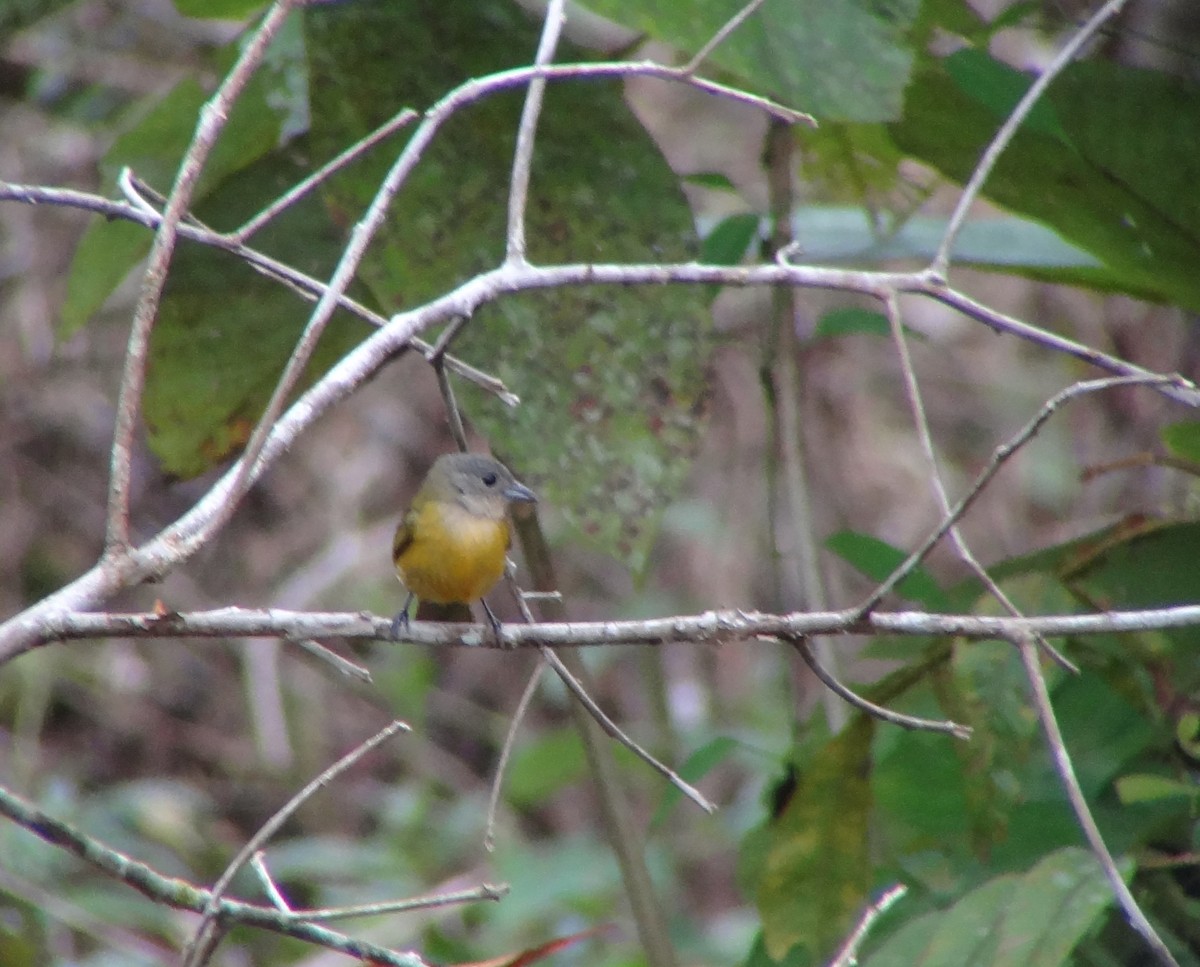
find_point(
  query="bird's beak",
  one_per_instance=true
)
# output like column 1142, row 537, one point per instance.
column 520, row 494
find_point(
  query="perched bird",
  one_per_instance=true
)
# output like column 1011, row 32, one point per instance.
column 452, row 544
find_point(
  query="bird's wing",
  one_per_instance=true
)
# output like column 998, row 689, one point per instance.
column 404, row 535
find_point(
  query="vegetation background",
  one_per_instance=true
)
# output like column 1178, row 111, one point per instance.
column 694, row 448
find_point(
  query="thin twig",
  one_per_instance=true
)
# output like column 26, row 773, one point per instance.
column 348, row 668
column 484, row 891
column 213, row 116
column 200, row 947
column 614, row 731
column 518, row 191
column 847, row 954
column 722, row 35
column 510, row 738
column 941, row 258
column 912, row 390
column 999, row 457
column 876, row 711
column 1027, row 647
column 331, row 167
column 258, row 863
column 181, row 895
column 453, row 416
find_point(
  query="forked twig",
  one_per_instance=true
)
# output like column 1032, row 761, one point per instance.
column 213, row 116
column 203, row 940
column 912, row 390
column 999, row 457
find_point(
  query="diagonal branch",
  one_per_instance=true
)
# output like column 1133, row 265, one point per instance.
column 941, row 258
column 1027, row 647
column 213, row 117
column 208, row 932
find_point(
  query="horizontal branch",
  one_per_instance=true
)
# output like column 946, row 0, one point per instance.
column 168, row 549
column 182, row 895
column 710, row 627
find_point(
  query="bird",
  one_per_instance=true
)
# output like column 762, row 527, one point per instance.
column 452, row 544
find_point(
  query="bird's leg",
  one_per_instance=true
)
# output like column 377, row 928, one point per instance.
column 400, row 622
column 492, row 619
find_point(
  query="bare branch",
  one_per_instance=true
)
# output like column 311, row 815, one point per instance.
column 518, row 191
column 510, row 738
column 1027, row 647
column 181, row 895
column 709, row 627
column 213, row 116
column 331, row 167
column 998, row 458
column 208, row 931
column 876, row 711
column 847, row 955
column 941, row 258
column 722, row 35
column 912, row 390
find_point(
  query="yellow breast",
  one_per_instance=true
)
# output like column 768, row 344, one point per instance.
column 451, row 556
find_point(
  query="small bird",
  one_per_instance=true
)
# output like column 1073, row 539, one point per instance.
column 452, row 544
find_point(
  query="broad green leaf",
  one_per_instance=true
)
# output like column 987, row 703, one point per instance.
column 612, row 380
column 1126, row 199
column 839, row 59
column 269, row 110
column 1033, row 919
column 543, row 766
column 878, row 559
column 730, row 240
column 816, row 872
column 224, row 331
column 846, row 234
column 1183, row 440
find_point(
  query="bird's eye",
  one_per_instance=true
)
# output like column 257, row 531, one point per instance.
column 489, row 479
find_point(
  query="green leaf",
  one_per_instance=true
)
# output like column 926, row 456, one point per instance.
column 219, row 9
column 542, row 767
column 1142, row 787
column 850, row 322
column 710, row 179
column 878, row 559
column 270, row 109
column 1182, row 439
column 1125, row 199
column 1145, row 566
column 224, row 331
column 846, row 234
column 840, row 59
column 1034, row 919
column 694, row 768
column 612, row 380
column 728, row 243
column 817, row 872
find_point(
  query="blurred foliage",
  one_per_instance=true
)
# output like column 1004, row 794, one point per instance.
column 1098, row 190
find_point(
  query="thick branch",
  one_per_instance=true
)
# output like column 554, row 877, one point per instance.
column 711, row 627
